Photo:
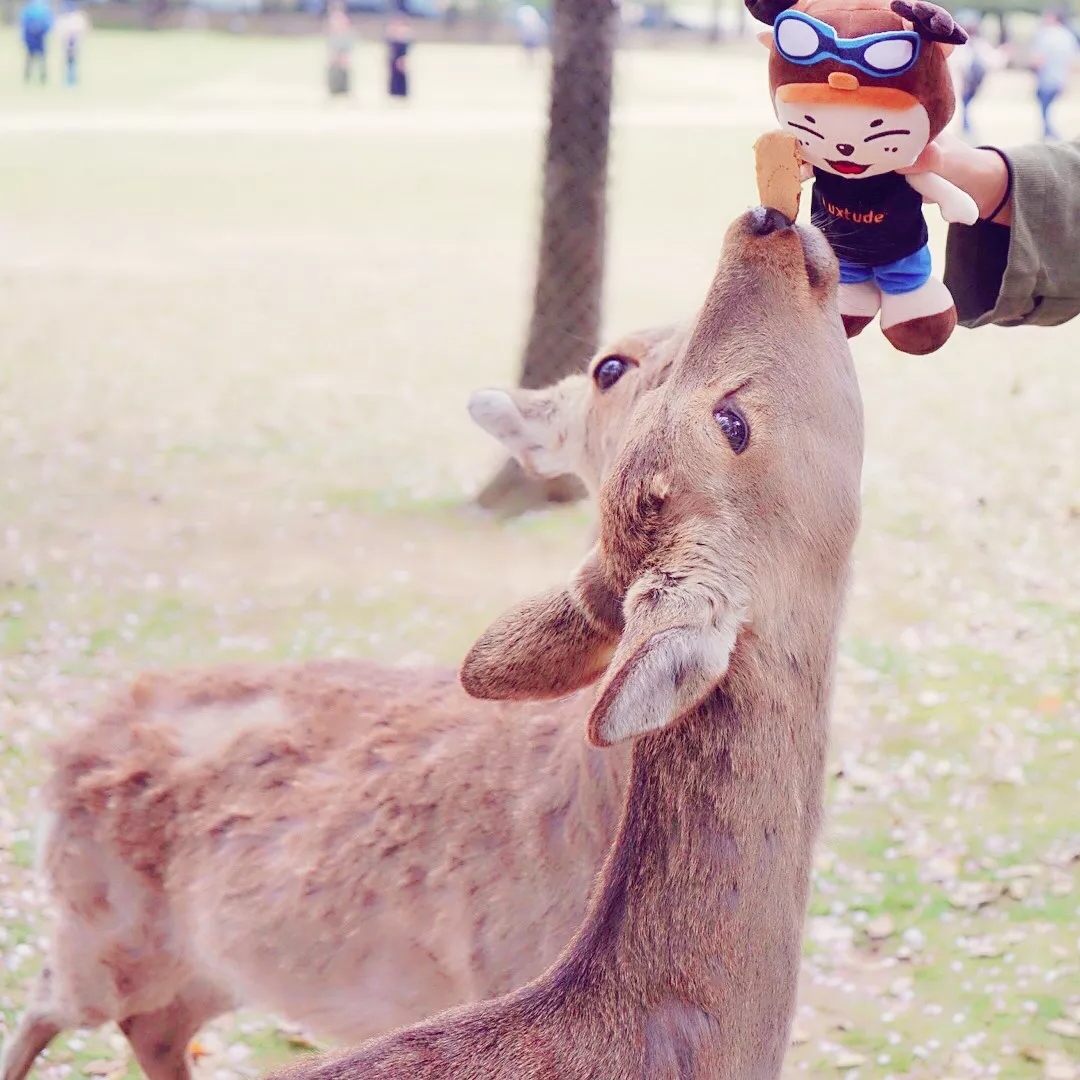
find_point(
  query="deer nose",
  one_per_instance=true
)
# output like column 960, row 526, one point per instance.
column 845, row 148
column 764, row 220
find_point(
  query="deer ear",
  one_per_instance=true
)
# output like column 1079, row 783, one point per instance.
column 675, row 649
column 946, row 48
column 543, row 429
column 549, row 646
column 766, row 38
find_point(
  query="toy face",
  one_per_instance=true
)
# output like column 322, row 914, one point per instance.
column 859, row 139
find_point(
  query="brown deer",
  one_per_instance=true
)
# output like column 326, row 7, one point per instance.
column 353, row 846
column 709, row 609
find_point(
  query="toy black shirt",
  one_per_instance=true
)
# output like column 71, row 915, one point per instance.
column 870, row 222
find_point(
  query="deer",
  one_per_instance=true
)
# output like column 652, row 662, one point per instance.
column 707, row 615
column 352, row 846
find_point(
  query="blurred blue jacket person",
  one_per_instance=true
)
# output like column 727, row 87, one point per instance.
column 35, row 22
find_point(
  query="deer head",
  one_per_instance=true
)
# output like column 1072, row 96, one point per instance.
column 577, row 425
column 729, row 510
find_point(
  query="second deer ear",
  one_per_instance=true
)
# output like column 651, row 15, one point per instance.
column 676, row 647
column 549, row 646
column 766, row 38
column 543, row 429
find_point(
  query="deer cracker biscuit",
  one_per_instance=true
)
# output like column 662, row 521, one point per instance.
column 779, row 172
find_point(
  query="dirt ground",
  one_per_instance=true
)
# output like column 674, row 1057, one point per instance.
column 240, row 323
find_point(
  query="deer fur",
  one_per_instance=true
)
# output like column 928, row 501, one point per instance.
column 711, row 605
column 353, row 846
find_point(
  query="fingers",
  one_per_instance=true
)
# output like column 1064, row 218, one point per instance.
column 930, row 160
column 942, row 155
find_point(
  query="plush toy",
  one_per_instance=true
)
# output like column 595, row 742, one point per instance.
column 864, row 86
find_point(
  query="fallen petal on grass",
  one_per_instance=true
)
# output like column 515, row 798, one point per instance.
column 1067, row 1029
column 848, row 1059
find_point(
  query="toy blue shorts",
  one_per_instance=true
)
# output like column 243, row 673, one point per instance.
column 903, row 276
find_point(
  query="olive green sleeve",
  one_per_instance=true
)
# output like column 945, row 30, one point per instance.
column 1028, row 273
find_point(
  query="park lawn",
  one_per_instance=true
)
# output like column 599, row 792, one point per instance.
column 239, row 327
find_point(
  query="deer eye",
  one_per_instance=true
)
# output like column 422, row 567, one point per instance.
column 609, row 371
column 734, row 426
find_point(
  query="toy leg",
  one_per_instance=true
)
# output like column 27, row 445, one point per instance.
column 919, row 321
column 859, row 303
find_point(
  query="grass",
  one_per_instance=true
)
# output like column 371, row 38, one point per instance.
column 240, row 323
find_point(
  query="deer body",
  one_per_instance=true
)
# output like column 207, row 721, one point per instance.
column 353, row 846
column 445, row 873
column 709, row 610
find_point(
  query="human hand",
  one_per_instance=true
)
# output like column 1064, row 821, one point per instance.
column 980, row 173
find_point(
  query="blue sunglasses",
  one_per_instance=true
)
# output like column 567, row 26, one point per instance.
column 804, row 40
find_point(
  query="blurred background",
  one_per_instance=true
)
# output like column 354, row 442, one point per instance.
column 254, row 255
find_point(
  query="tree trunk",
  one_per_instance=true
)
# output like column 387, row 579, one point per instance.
column 565, row 327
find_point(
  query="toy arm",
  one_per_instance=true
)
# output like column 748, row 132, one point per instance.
column 955, row 205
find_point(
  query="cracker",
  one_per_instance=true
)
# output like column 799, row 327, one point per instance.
column 779, row 172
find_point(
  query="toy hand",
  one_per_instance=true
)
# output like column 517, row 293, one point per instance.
column 959, row 208
column 981, row 173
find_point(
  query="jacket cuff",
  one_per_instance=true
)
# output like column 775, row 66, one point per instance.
column 1026, row 273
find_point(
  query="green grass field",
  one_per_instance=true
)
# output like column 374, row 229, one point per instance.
column 238, row 325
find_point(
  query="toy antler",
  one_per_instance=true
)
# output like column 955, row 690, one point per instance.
column 931, row 22
column 766, row 10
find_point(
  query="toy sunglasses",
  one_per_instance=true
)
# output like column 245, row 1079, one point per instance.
column 805, row 40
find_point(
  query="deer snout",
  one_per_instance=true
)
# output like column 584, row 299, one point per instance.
column 821, row 266
column 845, row 148
column 764, row 220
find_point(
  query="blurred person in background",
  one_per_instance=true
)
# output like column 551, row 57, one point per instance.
column 71, row 27
column 35, row 22
column 1053, row 56
column 970, row 64
column 532, row 30
column 398, row 40
column 339, row 45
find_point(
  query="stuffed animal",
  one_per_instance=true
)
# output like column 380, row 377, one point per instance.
column 864, row 86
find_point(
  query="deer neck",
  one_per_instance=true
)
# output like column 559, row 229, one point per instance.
column 695, row 935
column 600, row 779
